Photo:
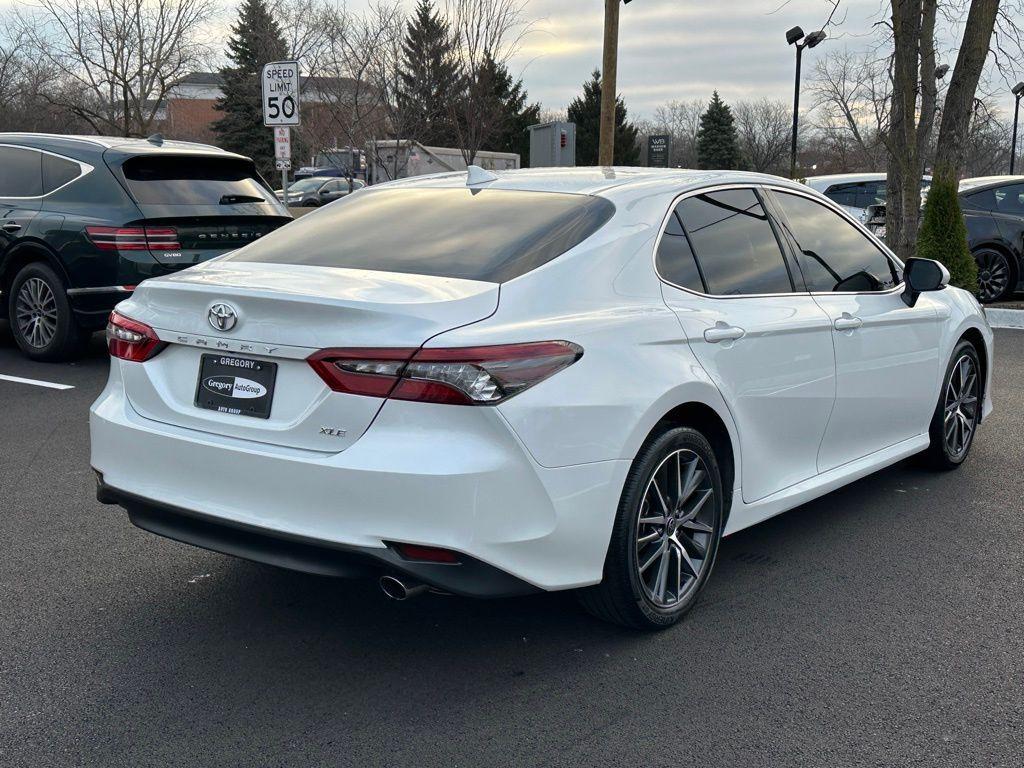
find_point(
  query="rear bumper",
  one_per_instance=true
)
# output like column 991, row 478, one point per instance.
column 435, row 475
column 469, row 577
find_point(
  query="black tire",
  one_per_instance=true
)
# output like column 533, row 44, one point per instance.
column 311, row 204
column 64, row 339
column 623, row 597
column 940, row 454
column 997, row 274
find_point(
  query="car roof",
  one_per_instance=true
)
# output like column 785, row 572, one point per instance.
column 609, row 182
column 99, row 144
column 981, row 181
column 822, row 182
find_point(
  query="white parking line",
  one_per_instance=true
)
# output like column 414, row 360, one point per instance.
column 1005, row 318
column 35, row 382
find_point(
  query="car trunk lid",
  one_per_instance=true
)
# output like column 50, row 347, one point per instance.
column 283, row 313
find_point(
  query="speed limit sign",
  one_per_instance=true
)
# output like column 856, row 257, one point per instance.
column 281, row 93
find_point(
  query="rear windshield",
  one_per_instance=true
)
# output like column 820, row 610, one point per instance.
column 190, row 180
column 489, row 235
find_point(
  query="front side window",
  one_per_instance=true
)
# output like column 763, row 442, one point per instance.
column 833, row 254
column 734, row 243
column 20, row 172
column 1010, row 199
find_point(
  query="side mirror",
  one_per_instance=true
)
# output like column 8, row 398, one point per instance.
column 325, row 192
column 920, row 275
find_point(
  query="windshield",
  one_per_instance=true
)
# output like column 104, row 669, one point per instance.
column 192, row 180
column 490, row 235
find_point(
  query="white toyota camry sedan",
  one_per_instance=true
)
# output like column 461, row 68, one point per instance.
column 547, row 379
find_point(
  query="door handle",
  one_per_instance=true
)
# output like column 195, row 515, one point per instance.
column 11, row 226
column 723, row 332
column 847, row 322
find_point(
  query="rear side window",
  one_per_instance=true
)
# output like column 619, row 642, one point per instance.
column 834, row 255
column 493, row 235
column 190, row 180
column 734, row 243
column 20, row 172
column 58, row 171
column 675, row 259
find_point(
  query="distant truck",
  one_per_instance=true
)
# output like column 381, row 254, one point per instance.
column 402, row 158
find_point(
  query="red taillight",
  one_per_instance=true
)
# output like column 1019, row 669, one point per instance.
column 134, row 238
column 458, row 376
column 131, row 340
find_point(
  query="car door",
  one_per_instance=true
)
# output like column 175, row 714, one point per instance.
column 21, row 185
column 765, row 344
column 331, row 191
column 887, row 363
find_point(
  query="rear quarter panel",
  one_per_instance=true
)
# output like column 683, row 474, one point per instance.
column 636, row 365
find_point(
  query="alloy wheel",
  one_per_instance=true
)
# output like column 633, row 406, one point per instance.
column 36, row 312
column 993, row 274
column 675, row 526
column 960, row 416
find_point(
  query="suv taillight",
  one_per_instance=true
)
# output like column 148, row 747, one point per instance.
column 134, row 238
column 129, row 339
column 456, row 376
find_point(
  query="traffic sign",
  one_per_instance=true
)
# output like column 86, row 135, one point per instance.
column 281, row 93
column 283, row 165
column 283, row 143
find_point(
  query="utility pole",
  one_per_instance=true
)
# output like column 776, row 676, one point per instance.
column 609, row 67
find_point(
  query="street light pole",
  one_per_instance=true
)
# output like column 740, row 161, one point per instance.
column 796, row 112
column 609, row 70
column 793, row 37
column 1018, row 92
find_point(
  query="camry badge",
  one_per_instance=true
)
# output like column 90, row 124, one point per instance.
column 222, row 317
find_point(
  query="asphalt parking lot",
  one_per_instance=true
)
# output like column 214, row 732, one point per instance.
column 880, row 625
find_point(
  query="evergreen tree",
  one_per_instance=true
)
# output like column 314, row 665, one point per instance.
column 718, row 146
column 585, row 111
column 429, row 78
column 510, row 113
column 255, row 40
column 943, row 235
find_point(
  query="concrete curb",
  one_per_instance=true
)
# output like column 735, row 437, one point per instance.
column 1005, row 318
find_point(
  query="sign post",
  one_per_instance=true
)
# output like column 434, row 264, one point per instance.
column 281, row 111
column 658, row 151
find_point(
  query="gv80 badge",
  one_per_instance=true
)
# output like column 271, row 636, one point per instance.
column 222, row 317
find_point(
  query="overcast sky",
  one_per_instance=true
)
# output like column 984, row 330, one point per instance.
column 682, row 49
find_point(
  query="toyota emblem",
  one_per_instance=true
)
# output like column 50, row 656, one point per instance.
column 222, row 317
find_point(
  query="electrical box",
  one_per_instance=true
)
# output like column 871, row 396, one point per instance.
column 553, row 145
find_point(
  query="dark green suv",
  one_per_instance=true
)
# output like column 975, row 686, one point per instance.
column 84, row 219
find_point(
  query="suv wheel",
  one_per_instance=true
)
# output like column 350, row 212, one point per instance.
column 41, row 318
column 666, row 534
column 996, row 276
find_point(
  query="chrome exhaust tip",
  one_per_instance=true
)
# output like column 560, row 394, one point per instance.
column 399, row 588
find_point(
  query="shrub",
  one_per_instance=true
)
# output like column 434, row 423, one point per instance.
column 943, row 235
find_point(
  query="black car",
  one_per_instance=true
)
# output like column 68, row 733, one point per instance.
column 994, row 210
column 84, row 219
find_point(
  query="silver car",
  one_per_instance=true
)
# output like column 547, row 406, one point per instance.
column 318, row 190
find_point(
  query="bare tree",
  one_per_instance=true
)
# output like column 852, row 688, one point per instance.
column 958, row 109
column 851, row 97
column 764, row 133
column 911, row 118
column 116, row 60
column 487, row 34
